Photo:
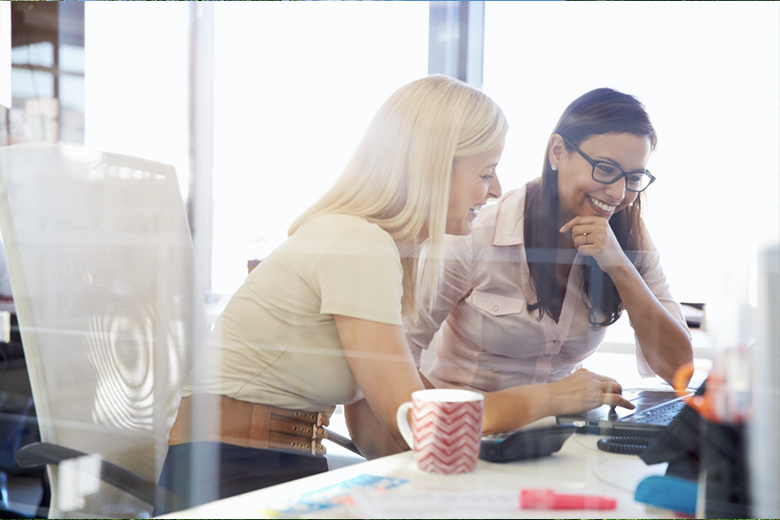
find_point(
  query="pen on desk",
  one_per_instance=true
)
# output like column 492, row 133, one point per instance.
column 537, row 498
column 406, row 503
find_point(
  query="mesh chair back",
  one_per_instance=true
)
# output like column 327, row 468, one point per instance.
column 103, row 276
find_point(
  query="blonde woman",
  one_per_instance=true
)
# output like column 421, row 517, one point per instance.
column 319, row 322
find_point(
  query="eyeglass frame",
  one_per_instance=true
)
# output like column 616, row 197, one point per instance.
column 623, row 174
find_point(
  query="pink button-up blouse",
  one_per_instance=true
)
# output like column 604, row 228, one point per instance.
column 489, row 340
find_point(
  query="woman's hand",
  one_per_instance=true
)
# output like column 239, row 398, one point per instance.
column 665, row 342
column 520, row 405
column 584, row 390
column 594, row 237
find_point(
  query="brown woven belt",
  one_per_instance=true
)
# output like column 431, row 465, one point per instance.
column 252, row 425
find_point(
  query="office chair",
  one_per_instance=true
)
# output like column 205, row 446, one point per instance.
column 22, row 490
column 103, row 275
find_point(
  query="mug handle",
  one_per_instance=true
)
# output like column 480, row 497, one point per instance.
column 403, row 423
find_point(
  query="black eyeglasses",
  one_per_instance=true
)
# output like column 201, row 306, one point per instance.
column 608, row 173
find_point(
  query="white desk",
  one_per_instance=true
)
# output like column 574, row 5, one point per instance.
column 579, row 467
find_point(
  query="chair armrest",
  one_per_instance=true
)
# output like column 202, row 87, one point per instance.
column 41, row 453
column 344, row 442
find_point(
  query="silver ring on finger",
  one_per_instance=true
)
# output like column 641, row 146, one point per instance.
column 585, row 235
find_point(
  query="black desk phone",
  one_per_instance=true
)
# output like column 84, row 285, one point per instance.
column 525, row 443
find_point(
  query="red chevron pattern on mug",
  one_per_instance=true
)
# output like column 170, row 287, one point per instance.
column 446, row 435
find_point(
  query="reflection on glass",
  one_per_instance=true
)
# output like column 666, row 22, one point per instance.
column 40, row 54
column 72, row 91
column 72, row 108
column 26, row 83
column 71, row 58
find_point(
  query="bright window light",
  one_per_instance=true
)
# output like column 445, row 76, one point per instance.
column 136, row 89
column 295, row 87
column 709, row 75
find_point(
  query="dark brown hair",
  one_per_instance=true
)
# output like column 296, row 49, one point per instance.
column 600, row 111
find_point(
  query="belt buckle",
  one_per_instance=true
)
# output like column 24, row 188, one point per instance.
column 318, row 433
column 322, row 419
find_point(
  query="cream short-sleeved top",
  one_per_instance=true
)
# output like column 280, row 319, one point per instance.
column 276, row 341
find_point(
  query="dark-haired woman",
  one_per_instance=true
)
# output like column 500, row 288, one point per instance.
column 527, row 296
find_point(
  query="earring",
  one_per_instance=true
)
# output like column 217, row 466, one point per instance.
column 554, row 167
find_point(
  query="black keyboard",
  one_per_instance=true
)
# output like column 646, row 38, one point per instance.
column 661, row 415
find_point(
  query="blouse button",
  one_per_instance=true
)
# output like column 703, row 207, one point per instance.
column 539, row 379
column 495, row 307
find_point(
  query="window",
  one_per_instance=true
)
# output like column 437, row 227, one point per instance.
column 294, row 90
column 709, row 77
column 137, row 81
column 47, row 73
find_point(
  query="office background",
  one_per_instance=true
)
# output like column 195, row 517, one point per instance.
column 288, row 89
column 259, row 105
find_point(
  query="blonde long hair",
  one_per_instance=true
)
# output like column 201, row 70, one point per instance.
column 399, row 176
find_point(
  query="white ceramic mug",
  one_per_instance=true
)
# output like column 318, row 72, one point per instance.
column 446, row 429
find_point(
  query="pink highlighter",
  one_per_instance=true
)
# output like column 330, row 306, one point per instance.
column 539, row 498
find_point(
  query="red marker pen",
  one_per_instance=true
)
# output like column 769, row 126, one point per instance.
column 537, row 498
column 471, row 503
